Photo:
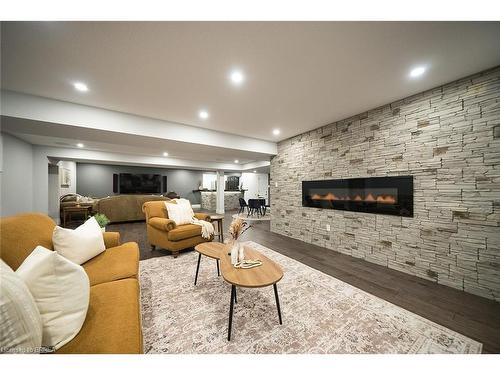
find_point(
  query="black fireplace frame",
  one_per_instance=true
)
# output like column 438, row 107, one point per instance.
column 402, row 184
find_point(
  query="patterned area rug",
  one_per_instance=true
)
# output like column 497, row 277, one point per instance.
column 320, row 314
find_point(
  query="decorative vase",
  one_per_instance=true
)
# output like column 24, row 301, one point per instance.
column 241, row 253
column 235, row 251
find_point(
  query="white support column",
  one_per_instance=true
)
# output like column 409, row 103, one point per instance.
column 220, row 193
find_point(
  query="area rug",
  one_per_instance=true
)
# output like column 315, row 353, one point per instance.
column 320, row 314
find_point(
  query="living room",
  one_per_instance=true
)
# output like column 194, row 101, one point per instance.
column 319, row 187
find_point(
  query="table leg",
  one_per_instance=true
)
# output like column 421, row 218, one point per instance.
column 221, row 231
column 218, row 272
column 197, row 269
column 277, row 302
column 231, row 306
column 235, row 299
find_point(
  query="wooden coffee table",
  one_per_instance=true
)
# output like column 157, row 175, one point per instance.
column 213, row 250
column 269, row 273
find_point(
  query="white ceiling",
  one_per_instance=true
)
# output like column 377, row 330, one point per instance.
column 300, row 75
column 58, row 135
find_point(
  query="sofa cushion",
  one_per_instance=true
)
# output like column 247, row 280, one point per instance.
column 81, row 244
column 111, row 239
column 20, row 234
column 179, row 213
column 60, row 289
column 182, row 232
column 20, row 320
column 113, row 264
column 113, row 323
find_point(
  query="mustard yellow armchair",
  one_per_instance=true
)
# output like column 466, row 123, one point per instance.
column 164, row 233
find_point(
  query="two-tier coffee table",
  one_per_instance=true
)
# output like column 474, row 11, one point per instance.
column 269, row 273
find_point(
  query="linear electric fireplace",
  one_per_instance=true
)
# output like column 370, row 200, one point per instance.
column 379, row 195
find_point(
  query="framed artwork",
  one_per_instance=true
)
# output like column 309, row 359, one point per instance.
column 65, row 177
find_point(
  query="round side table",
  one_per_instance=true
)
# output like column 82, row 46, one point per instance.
column 220, row 227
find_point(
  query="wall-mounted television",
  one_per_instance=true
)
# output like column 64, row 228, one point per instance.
column 140, row 183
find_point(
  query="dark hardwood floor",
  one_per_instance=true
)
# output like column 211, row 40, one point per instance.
column 473, row 316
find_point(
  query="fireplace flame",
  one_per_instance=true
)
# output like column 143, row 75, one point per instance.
column 385, row 199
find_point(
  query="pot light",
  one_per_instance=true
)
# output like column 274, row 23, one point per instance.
column 276, row 132
column 80, row 86
column 165, row 154
column 417, row 72
column 203, row 114
column 236, row 161
column 254, row 171
column 80, row 145
column 237, row 77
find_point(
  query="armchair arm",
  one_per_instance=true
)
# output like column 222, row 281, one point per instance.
column 162, row 223
column 111, row 239
column 202, row 216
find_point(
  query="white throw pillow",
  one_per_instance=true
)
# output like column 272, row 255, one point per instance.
column 81, row 244
column 20, row 320
column 186, row 204
column 178, row 213
column 61, row 290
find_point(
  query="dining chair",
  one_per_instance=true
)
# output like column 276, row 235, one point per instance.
column 243, row 204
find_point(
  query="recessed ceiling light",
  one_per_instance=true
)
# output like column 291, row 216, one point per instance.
column 203, row 114
column 276, row 132
column 236, row 161
column 80, row 145
column 165, row 154
column 80, row 86
column 254, row 171
column 417, row 72
column 237, row 77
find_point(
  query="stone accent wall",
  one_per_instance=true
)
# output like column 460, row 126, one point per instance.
column 231, row 200
column 448, row 138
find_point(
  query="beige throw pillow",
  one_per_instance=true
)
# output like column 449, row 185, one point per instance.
column 20, row 320
column 81, row 244
column 61, row 290
column 179, row 213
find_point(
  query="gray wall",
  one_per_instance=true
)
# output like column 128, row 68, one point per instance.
column 96, row 180
column 16, row 176
column 448, row 138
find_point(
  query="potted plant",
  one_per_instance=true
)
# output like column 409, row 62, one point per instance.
column 102, row 220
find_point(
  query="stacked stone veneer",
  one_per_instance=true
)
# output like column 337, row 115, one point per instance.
column 231, row 200
column 448, row 138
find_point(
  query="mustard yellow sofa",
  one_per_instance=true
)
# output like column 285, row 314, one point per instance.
column 164, row 233
column 113, row 322
column 125, row 207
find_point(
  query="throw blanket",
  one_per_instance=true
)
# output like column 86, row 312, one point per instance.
column 207, row 229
